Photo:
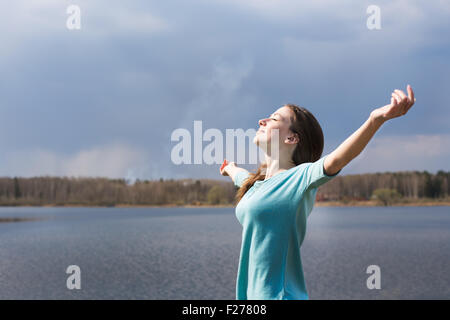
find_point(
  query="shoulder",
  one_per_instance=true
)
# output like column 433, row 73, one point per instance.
column 311, row 174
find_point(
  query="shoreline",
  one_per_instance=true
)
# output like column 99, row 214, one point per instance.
column 317, row 204
column 376, row 204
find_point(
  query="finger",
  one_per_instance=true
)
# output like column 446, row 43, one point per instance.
column 225, row 162
column 393, row 101
column 401, row 93
column 403, row 96
column 410, row 94
column 410, row 104
column 402, row 102
column 396, row 97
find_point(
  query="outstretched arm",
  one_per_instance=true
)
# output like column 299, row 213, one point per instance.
column 230, row 169
column 353, row 145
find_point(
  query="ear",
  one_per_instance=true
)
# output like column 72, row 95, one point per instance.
column 292, row 139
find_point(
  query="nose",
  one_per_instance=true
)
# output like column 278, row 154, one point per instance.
column 262, row 122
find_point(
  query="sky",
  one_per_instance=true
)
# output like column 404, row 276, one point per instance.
column 104, row 100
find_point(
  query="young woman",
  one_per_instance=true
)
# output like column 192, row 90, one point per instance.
column 274, row 203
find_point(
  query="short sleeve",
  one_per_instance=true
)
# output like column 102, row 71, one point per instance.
column 315, row 175
column 240, row 177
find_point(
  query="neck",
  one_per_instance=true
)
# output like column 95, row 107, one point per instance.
column 275, row 166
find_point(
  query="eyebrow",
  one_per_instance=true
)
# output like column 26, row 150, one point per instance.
column 277, row 114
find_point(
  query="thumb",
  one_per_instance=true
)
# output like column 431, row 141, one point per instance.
column 224, row 164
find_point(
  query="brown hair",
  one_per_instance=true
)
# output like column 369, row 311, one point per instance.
column 308, row 149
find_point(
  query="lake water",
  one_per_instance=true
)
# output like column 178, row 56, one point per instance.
column 193, row 253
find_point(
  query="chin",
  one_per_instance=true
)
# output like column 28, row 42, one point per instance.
column 258, row 142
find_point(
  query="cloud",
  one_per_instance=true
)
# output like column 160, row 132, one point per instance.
column 122, row 20
column 284, row 9
column 403, row 153
column 220, row 89
column 115, row 160
column 139, row 70
column 280, row 10
column 26, row 18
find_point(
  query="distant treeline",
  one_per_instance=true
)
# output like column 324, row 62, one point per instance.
column 110, row 192
column 410, row 185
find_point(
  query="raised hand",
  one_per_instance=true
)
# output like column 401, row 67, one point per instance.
column 224, row 166
column 399, row 106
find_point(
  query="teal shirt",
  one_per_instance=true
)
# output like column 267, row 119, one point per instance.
column 273, row 215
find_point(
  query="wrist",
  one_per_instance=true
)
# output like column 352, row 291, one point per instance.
column 228, row 169
column 376, row 119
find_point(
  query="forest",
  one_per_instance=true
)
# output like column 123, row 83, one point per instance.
column 383, row 188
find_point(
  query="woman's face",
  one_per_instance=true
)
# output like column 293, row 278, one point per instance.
column 279, row 120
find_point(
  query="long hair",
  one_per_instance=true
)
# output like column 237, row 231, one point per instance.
column 308, row 149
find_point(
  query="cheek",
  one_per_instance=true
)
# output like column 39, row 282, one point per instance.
column 275, row 130
column 283, row 132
